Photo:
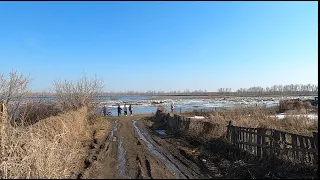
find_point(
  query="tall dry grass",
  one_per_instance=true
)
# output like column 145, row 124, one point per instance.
column 50, row 148
column 49, row 144
column 248, row 117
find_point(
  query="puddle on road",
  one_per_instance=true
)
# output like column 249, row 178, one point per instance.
column 160, row 156
column 115, row 129
column 121, row 151
column 122, row 160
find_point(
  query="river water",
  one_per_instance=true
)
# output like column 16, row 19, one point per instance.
column 149, row 104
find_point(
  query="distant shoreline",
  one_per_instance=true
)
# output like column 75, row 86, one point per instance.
column 190, row 96
column 217, row 96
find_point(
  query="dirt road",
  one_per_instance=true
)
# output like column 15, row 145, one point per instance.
column 129, row 151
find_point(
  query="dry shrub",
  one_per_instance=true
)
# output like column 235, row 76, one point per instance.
column 297, row 105
column 160, row 109
column 51, row 148
column 32, row 112
column 298, row 125
column 73, row 95
column 159, row 118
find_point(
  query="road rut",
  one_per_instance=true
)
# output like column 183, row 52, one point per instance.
column 130, row 152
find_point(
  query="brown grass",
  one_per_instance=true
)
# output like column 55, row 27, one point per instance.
column 208, row 136
column 51, row 148
column 249, row 117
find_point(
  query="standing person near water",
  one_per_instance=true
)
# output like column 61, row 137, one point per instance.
column 130, row 109
column 104, row 110
column 119, row 110
column 172, row 107
column 125, row 110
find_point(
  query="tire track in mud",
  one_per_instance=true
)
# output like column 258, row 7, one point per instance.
column 163, row 158
column 139, row 162
column 173, row 153
column 100, row 152
column 121, row 159
column 129, row 152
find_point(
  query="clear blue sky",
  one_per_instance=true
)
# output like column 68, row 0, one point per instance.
column 159, row 46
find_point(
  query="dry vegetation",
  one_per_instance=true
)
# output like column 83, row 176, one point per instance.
column 207, row 136
column 45, row 139
column 251, row 117
column 51, row 148
column 72, row 95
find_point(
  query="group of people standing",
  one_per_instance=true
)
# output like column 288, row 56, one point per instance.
column 125, row 110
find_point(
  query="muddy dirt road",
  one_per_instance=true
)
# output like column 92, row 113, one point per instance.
column 129, row 151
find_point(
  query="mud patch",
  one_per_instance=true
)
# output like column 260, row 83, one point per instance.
column 79, row 176
column 91, row 146
column 152, row 149
column 95, row 148
column 87, row 164
column 148, row 168
column 139, row 172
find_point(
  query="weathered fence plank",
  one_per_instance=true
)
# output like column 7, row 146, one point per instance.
column 261, row 142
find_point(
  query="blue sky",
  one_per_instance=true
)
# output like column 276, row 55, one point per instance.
column 161, row 46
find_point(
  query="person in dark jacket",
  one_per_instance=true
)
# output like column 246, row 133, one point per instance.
column 130, row 109
column 125, row 110
column 172, row 107
column 119, row 110
column 104, row 110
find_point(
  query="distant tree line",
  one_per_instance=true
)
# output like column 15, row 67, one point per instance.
column 292, row 89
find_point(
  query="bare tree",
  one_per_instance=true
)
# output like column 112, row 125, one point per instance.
column 13, row 90
column 72, row 95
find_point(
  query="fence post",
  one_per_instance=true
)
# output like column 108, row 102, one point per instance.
column 179, row 123
column 187, row 124
column 183, row 124
column 294, row 146
column 275, row 143
column 229, row 132
column 250, row 141
column 167, row 119
column 233, row 135
column 236, row 137
column 173, row 122
column 303, row 153
column 260, row 141
column 315, row 141
column 176, row 123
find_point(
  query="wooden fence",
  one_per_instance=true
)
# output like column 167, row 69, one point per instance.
column 263, row 142
column 260, row 142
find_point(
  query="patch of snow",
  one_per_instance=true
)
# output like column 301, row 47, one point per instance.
column 161, row 132
column 197, row 117
column 309, row 116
